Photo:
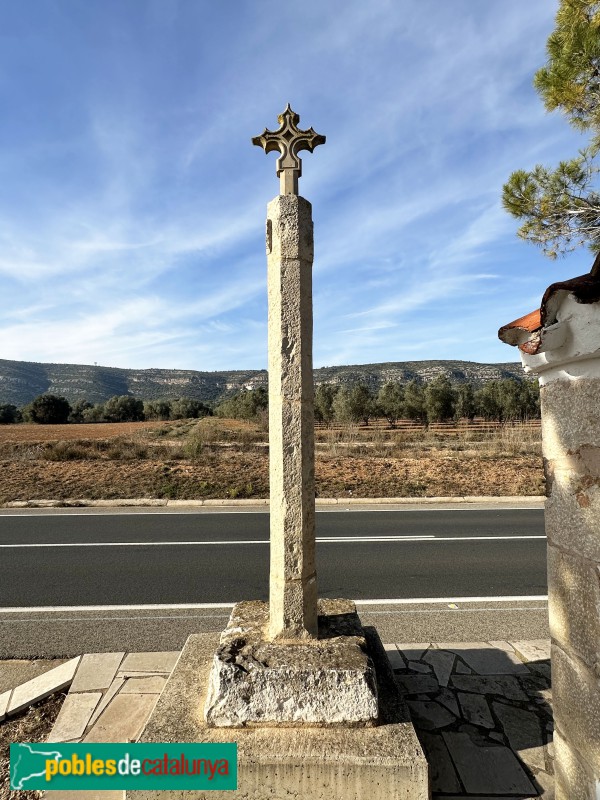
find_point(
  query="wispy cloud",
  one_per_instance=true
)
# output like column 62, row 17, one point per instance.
column 132, row 212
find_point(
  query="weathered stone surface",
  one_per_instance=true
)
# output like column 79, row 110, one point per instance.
column 574, row 604
column 44, row 685
column 533, row 649
column 475, row 709
column 486, row 660
column 149, row 662
column 417, row 684
column 150, row 684
column 541, row 669
column 570, row 445
column 545, row 784
column 385, row 762
column 462, row 669
column 537, row 687
column 442, row 774
column 416, row 666
column 330, row 680
column 414, row 651
column 577, row 706
column 572, row 519
column 574, row 778
column 568, row 365
column 524, row 733
column 448, row 699
column 430, row 715
column 394, row 657
column 74, row 716
column 113, row 690
column 502, row 644
column 442, row 662
column 503, row 685
column 4, row 698
column 487, row 770
column 16, row 671
column 96, row 671
column 123, row 719
column 571, row 416
column 292, row 582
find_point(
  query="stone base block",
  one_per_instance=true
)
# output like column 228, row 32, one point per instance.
column 324, row 681
column 384, row 762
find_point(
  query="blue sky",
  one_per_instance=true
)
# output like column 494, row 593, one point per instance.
column 132, row 205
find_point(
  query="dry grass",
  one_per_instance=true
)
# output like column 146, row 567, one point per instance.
column 215, row 458
column 32, row 725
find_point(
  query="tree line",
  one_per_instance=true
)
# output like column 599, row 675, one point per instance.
column 437, row 401
column 50, row 409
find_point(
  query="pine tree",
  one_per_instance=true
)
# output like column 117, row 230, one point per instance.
column 561, row 206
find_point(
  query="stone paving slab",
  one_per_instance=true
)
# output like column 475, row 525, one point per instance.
column 485, row 735
column 483, row 768
column 55, row 680
column 523, row 731
column 15, row 671
column 442, row 663
column 149, row 662
column 74, row 716
column 504, row 685
column 394, row 656
column 442, row 773
column 4, row 698
column 119, row 709
column 113, row 690
column 123, row 719
column 149, row 684
column 96, row 671
column 494, row 735
column 414, row 651
column 475, row 709
column 537, row 650
column 484, row 659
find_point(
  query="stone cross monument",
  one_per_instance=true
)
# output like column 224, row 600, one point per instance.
column 293, row 580
column 289, row 141
column 304, row 690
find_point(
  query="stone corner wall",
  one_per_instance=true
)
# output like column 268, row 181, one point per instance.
column 571, row 446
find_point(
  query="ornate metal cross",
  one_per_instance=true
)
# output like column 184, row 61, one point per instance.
column 289, row 141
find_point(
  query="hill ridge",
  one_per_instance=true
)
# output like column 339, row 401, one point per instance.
column 21, row 381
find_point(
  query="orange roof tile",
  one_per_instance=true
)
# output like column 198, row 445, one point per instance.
column 526, row 331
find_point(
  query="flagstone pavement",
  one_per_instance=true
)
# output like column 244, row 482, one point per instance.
column 482, row 711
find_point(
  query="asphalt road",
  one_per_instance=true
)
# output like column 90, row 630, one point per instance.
column 146, row 566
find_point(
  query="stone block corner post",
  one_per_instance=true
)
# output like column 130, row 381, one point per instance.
column 560, row 344
column 293, row 580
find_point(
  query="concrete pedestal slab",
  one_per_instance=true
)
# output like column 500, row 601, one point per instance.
column 385, row 762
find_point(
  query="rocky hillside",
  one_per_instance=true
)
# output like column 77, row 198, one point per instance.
column 21, row 381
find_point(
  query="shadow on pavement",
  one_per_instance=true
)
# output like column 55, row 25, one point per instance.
column 483, row 715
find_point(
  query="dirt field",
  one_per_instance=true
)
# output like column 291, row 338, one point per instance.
column 55, row 433
column 229, row 459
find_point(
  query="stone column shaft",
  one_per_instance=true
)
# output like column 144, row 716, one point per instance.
column 571, row 442
column 293, row 585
